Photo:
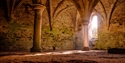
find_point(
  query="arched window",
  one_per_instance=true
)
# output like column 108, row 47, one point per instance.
column 93, row 27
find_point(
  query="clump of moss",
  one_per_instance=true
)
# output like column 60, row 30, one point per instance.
column 59, row 38
column 16, row 37
column 110, row 40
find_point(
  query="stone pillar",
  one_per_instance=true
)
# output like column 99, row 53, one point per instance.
column 85, row 33
column 38, row 10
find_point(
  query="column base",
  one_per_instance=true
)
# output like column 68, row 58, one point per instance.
column 85, row 49
column 34, row 49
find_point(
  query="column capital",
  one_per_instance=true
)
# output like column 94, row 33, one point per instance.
column 39, row 6
column 85, row 22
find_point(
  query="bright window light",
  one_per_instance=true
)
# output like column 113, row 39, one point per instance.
column 93, row 27
column 94, row 22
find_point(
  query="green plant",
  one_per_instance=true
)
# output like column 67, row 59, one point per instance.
column 110, row 40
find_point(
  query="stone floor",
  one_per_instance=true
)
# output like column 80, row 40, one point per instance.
column 69, row 56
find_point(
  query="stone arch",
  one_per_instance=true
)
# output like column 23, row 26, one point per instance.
column 85, row 8
column 93, row 29
column 12, row 7
column 118, row 21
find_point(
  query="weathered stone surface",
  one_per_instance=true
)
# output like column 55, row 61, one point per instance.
column 17, row 34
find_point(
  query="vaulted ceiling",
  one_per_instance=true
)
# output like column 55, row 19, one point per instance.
column 104, row 8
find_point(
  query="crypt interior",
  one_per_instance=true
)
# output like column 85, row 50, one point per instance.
column 91, row 26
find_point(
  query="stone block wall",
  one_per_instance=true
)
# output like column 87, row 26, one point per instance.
column 17, row 34
column 115, row 35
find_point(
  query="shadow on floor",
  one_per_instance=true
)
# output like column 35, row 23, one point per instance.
column 116, row 51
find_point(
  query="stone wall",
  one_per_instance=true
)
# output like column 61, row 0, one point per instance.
column 17, row 34
column 111, row 33
column 118, row 19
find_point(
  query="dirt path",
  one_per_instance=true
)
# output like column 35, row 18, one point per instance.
column 72, row 56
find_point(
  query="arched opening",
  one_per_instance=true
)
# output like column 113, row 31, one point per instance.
column 94, row 26
column 93, row 29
